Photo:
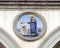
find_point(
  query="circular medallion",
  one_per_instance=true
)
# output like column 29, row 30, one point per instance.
column 29, row 26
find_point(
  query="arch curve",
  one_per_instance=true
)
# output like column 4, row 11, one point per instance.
column 6, row 40
column 51, row 40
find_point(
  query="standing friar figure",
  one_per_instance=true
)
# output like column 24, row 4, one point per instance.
column 33, row 25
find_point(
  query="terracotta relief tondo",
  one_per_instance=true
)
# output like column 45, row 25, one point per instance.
column 29, row 26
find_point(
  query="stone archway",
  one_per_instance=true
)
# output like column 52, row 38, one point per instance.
column 53, row 40
column 6, row 41
column 57, row 45
column 2, row 46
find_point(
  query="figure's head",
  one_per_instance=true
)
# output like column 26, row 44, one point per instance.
column 32, row 17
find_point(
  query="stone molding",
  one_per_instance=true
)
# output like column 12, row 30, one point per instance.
column 29, row 4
